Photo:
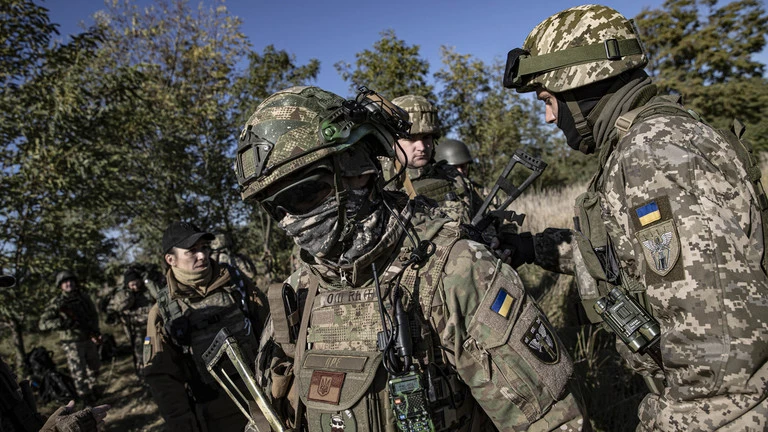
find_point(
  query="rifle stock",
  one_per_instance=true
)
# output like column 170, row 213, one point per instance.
column 224, row 345
column 485, row 216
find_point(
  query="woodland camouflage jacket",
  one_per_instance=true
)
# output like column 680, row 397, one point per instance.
column 507, row 375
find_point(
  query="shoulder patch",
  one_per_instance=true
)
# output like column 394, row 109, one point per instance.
column 648, row 213
column 655, row 231
column 503, row 302
column 541, row 342
column 661, row 246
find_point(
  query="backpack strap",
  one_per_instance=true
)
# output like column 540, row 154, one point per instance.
column 282, row 321
column 658, row 105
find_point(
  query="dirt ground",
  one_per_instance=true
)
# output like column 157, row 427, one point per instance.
column 132, row 406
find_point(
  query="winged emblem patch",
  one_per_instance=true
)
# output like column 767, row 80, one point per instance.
column 661, row 246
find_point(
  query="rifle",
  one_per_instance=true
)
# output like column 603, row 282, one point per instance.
column 225, row 343
column 485, row 217
column 77, row 317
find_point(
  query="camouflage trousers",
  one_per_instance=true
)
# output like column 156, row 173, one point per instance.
column 136, row 337
column 84, row 363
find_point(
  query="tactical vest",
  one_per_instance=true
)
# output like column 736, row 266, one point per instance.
column 340, row 378
column 76, row 306
column 192, row 323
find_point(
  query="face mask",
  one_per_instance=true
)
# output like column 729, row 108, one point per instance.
column 566, row 124
column 365, row 223
column 316, row 231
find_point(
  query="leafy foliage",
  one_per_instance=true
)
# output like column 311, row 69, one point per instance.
column 392, row 68
column 705, row 51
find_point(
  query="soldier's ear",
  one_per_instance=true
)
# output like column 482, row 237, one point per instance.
column 170, row 259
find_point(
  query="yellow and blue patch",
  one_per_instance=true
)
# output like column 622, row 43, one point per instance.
column 648, row 213
column 502, row 305
column 147, row 340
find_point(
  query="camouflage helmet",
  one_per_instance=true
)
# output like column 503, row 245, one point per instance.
column 573, row 48
column 422, row 114
column 453, row 152
column 221, row 240
column 298, row 126
column 64, row 275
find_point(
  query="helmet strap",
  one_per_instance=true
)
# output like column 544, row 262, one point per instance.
column 585, row 124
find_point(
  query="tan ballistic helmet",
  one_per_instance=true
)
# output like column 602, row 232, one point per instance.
column 221, row 241
column 573, row 48
column 422, row 114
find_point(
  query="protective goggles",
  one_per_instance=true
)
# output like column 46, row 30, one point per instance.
column 301, row 196
column 521, row 67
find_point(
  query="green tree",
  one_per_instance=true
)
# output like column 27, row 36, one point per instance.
column 182, row 132
column 57, row 135
column 392, row 68
column 704, row 51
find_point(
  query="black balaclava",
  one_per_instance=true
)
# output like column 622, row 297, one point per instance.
column 587, row 98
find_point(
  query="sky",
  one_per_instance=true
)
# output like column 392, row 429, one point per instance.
column 335, row 30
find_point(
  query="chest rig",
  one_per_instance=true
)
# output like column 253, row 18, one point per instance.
column 193, row 322
column 342, row 381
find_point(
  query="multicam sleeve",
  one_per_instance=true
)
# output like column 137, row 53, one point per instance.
column 505, row 349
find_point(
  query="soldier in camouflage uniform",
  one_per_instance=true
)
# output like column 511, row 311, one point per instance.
column 131, row 304
column 201, row 297
column 674, row 220
column 452, row 191
column 18, row 409
column 222, row 252
column 73, row 314
column 484, row 352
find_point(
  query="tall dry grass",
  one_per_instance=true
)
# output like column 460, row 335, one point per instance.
column 611, row 394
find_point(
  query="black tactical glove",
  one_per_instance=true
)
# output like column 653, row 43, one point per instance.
column 521, row 248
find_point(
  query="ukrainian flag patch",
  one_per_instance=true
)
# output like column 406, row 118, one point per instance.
column 502, row 305
column 648, row 213
column 147, row 340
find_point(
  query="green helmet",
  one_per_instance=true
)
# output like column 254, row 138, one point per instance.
column 453, row 152
column 573, row 48
column 221, row 240
column 298, row 126
column 64, row 275
column 422, row 114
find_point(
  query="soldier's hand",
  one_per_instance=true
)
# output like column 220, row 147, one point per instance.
column 100, row 413
column 517, row 249
column 501, row 251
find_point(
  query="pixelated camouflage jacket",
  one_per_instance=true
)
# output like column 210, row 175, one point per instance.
column 685, row 223
column 509, row 359
column 73, row 315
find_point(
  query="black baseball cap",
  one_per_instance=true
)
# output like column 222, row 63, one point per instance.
column 183, row 235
